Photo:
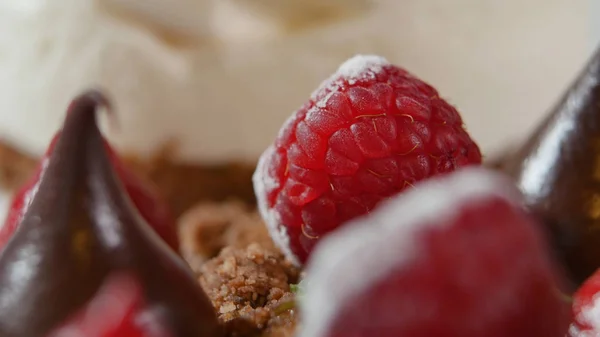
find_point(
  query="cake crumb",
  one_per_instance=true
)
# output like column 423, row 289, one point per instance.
column 15, row 167
column 250, row 290
column 209, row 227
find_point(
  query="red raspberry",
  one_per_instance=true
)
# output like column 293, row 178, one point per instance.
column 116, row 311
column 456, row 257
column 586, row 309
column 143, row 194
column 369, row 132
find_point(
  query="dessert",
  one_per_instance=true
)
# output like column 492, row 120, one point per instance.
column 368, row 132
column 84, row 261
column 454, row 256
column 557, row 170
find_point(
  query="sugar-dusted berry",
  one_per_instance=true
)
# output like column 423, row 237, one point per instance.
column 455, row 257
column 370, row 131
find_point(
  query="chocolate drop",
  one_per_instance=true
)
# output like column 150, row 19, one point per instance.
column 80, row 228
column 558, row 170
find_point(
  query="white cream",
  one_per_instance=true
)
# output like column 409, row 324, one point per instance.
column 221, row 76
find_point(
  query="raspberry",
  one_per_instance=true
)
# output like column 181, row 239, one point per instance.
column 369, row 132
column 143, row 194
column 456, row 257
column 586, row 309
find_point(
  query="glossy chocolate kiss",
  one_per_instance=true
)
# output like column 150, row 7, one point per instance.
column 558, row 170
column 82, row 230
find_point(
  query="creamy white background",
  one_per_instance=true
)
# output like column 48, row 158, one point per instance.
column 231, row 78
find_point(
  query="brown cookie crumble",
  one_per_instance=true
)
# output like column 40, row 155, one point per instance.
column 250, row 289
column 207, row 228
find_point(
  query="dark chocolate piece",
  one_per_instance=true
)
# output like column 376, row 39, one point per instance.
column 558, row 170
column 81, row 228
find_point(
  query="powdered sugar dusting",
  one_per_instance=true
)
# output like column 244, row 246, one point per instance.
column 359, row 67
column 364, row 250
column 590, row 317
column 361, row 64
column 322, row 103
column 263, row 182
column 591, row 314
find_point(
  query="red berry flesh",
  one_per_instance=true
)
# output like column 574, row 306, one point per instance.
column 456, row 257
column 116, row 311
column 586, row 309
column 369, row 132
column 143, row 194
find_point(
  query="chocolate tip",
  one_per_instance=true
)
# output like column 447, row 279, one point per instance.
column 90, row 101
column 79, row 135
column 91, row 98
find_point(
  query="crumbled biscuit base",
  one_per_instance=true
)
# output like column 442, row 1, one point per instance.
column 15, row 167
column 182, row 185
column 186, row 184
column 250, row 291
column 207, row 228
